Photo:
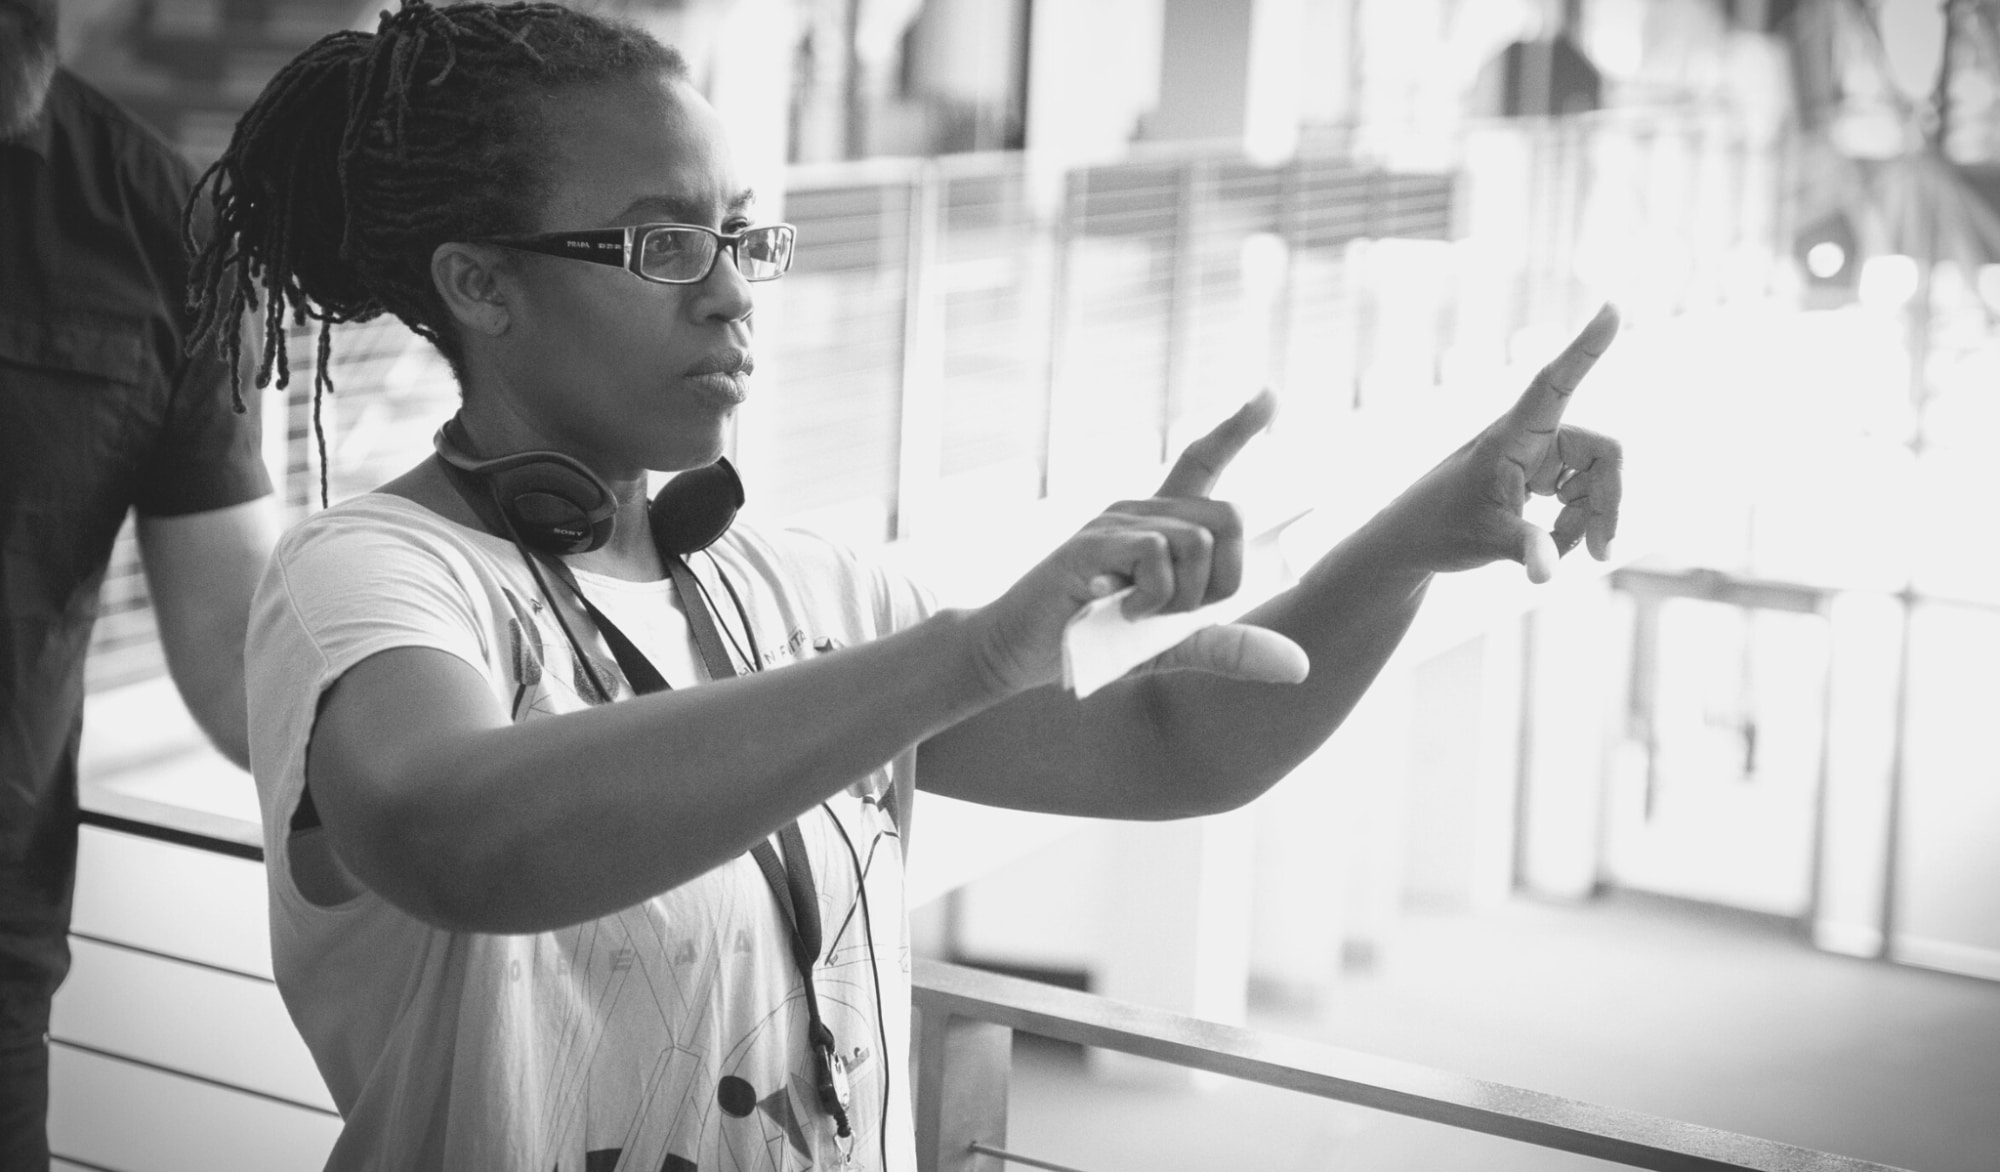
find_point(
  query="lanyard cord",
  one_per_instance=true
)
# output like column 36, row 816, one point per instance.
column 791, row 881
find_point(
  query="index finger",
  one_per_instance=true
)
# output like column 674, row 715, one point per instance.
column 1541, row 406
column 1202, row 462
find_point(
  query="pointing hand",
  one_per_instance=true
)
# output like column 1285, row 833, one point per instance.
column 1467, row 511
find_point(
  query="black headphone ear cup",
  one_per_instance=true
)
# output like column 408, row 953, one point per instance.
column 554, row 504
column 555, row 508
column 694, row 509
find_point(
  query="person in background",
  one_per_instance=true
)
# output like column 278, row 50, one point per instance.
column 585, row 810
column 101, row 414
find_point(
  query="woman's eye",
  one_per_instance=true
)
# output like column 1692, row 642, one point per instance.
column 668, row 243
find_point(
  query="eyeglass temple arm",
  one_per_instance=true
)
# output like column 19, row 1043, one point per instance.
column 606, row 247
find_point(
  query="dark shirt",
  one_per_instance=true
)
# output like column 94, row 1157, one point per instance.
column 99, row 414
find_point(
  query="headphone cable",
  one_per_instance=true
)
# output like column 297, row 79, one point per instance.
column 874, row 973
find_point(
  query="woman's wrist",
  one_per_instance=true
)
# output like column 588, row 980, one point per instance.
column 973, row 674
column 1392, row 548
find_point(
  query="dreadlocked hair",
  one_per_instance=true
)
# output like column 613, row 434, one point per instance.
column 366, row 152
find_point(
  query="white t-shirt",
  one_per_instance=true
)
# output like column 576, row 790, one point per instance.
column 671, row 1035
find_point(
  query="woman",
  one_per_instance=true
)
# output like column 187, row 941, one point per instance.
column 515, row 922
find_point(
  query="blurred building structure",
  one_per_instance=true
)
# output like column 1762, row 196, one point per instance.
column 1044, row 242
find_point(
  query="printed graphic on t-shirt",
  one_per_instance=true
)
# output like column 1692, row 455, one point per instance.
column 528, row 649
column 671, row 1035
column 679, row 1027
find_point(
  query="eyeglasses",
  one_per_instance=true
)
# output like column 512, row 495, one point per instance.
column 668, row 254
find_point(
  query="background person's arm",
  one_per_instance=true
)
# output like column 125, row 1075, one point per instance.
column 201, row 569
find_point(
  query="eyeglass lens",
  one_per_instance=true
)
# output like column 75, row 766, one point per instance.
column 686, row 254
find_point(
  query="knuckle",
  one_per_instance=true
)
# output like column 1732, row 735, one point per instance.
column 1226, row 521
column 1200, row 456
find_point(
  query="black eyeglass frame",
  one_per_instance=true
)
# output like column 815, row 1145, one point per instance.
column 621, row 247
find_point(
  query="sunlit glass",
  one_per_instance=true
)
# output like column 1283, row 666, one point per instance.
column 670, row 254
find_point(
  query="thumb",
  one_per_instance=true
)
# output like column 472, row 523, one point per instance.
column 1537, row 551
column 1238, row 651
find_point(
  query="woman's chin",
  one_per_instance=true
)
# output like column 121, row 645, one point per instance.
column 684, row 455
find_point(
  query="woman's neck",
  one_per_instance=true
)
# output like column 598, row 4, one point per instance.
column 630, row 553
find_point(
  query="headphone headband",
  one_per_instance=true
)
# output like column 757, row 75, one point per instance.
column 549, row 501
column 555, row 504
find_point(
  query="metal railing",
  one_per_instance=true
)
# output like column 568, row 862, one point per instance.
column 964, row 1044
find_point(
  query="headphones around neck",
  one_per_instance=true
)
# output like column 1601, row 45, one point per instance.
column 555, row 505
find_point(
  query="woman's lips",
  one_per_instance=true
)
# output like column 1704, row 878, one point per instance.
column 722, row 376
column 720, row 386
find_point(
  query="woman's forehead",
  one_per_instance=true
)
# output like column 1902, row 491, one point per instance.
column 638, row 150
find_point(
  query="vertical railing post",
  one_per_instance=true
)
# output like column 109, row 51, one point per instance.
column 1060, row 429
column 1047, row 286
column 1291, row 230
column 1183, row 292
column 920, row 414
column 961, row 1078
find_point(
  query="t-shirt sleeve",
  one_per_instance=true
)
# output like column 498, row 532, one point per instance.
column 208, row 456
column 881, row 596
column 341, row 592
column 901, row 601
column 337, row 591
column 879, row 599
column 905, row 602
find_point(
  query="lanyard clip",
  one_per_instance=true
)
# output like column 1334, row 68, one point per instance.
column 834, row 1092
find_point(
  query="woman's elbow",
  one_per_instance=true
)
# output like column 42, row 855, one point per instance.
column 428, row 865
column 1198, row 793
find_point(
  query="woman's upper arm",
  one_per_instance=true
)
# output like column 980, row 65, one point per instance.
column 378, row 765
column 367, row 649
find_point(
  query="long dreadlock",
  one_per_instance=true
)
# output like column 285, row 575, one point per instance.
column 366, row 152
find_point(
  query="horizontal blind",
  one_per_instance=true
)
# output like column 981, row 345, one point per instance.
column 992, row 277
column 1150, row 295
column 831, row 421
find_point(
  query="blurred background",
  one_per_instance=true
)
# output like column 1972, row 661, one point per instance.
column 1708, row 831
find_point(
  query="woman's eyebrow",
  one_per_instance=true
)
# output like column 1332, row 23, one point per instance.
column 678, row 209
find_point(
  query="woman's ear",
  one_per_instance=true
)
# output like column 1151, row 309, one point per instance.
column 469, row 282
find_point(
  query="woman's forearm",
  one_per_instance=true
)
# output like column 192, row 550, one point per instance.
column 1349, row 612
column 501, row 827
column 1181, row 743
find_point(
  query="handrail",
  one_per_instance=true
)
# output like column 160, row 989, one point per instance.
column 967, row 1013
column 1801, row 596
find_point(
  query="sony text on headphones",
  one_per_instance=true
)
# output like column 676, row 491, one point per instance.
column 556, row 505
